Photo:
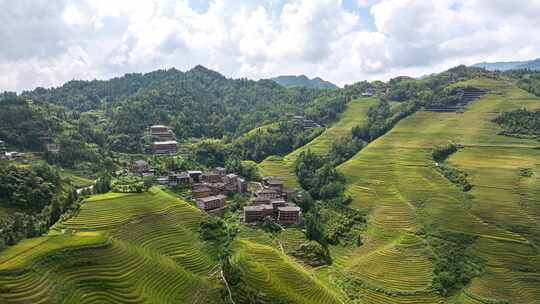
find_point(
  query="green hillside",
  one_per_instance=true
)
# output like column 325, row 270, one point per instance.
column 277, row 276
column 396, row 179
column 283, row 166
column 147, row 250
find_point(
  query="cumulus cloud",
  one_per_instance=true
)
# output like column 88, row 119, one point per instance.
column 45, row 43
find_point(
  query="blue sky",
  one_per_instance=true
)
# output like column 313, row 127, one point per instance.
column 48, row 42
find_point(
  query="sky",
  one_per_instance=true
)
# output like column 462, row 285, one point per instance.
column 48, row 42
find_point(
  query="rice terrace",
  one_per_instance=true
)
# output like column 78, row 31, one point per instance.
column 254, row 185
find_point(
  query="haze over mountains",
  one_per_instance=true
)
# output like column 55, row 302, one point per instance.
column 533, row 64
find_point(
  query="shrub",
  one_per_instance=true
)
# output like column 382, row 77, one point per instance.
column 313, row 254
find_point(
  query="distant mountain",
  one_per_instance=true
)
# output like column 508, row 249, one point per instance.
column 303, row 81
column 510, row 65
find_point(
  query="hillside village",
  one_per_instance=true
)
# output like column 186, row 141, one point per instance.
column 210, row 189
column 379, row 195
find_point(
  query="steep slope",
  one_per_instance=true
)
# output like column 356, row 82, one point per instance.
column 135, row 248
column 396, row 179
column 284, row 166
column 281, row 280
column 303, row 81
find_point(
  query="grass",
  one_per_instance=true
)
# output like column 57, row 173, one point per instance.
column 277, row 277
column 120, row 248
column 396, row 180
column 133, row 248
column 284, row 166
column 77, row 180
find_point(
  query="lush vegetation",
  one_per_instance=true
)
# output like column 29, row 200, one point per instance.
column 318, row 177
column 129, row 184
column 395, row 180
column 381, row 119
column 386, row 224
column 520, row 123
column 527, row 80
column 456, row 176
column 29, row 125
column 198, row 103
column 453, row 264
column 279, row 140
column 38, row 197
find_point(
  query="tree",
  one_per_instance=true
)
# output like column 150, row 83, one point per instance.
column 314, row 227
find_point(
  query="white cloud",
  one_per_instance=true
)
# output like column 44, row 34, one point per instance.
column 49, row 42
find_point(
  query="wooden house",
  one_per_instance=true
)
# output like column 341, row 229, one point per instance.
column 211, row 202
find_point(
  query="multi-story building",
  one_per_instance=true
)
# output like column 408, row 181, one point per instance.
column 212, row 177
column 268, row 193
column 161, row 133
column 276, row 203
column 181, row 178
column 165, row 147
column 260, row 200
column 201, row 191
column 195, row 175
column 253, row 214
column 273, row 183
column 288, row 215
column 211, row 202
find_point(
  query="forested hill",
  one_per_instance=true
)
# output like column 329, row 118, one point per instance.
column 304, row 81
column 197, row 103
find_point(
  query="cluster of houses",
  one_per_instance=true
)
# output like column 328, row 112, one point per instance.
column 272, row 201
column 163, row 140
column 5, row 155
column 210, row 188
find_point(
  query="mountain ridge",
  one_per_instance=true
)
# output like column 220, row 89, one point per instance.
column 303, row 81
column 533, row 64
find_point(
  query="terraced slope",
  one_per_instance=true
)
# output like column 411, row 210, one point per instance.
column 283, row 166
column 396, row 179
column 133, row 248
column 280, row 279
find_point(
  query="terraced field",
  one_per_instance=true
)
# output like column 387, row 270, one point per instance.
column 281, row 279
column 395, row 178
column 145, row 248
column 121, row 248
column 283, row 166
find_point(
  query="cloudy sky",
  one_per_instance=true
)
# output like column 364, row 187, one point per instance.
column 48, row 42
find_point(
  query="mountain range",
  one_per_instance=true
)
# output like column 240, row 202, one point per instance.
column 533, row 64
column 303, row 81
